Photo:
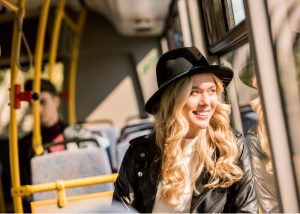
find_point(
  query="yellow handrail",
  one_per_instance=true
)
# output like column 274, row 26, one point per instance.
column 79, row 182
column 62, row 185
column 70, row 23
column 73, row 66
column 10, row 6
column 13, row 129
column 36, row 137
column 55, row 37
column 36, row 205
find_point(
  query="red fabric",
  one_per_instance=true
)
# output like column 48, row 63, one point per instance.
column 57, row 139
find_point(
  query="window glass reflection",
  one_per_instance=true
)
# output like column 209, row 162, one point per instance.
column 285, row 18
column 254, row 127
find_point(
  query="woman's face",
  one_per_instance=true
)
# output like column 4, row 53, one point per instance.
column 201, row 103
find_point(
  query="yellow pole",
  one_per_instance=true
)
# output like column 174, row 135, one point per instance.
column 13, row 129
column 9, row 5
column 70, row 23
column 55, row 37
column 36, row 137
column 73, row 66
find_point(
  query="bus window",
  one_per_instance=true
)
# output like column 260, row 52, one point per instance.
column 248, row 109
column 273, row 27
column 285, row 19
column 235, row 12
column 173, row 29
column 240, row 95
column 224, row 25
column 213, row 18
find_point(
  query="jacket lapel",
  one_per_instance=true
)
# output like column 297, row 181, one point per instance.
column 148, row 182
column 148, row 187
column 197, row 199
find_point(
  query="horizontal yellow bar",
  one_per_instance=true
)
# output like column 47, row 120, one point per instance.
column 74, row 183
column 71, row 23
column 74, row 198
column 9, row 5
column 98, row 195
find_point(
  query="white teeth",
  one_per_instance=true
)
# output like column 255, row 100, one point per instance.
column 202, row 113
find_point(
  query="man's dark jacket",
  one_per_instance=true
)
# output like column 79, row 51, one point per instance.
column 138, row 179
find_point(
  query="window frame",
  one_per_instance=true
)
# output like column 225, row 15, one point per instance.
column 232, row 39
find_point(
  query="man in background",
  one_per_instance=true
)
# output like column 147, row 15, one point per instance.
column 52, row 127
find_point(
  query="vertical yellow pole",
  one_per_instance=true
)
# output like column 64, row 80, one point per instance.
column 13, row 129
column 55, row 37
column 36, row 137
column 73, row 66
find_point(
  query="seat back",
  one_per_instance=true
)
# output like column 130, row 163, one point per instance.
column 70, row 164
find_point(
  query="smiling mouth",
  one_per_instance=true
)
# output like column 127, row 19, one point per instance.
column 201, row 114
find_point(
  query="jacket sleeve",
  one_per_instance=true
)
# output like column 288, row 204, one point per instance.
column 264, row 181
column 242, row 193
column 125, row 185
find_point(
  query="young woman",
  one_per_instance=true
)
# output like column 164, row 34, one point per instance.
column 260, row 152
column 193, row 162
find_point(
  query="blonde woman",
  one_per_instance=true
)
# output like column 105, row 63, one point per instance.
column 193, row 162
column 260, row 151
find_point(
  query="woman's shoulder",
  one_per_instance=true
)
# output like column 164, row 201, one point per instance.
column 142, row 141
column 240, row 142
column 139, row 141
column 252, row 130
column 144, row 144
column 142, row 150
column 239, row 138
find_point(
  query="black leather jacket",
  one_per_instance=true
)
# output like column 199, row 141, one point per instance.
column 138, row 179
column 264, row 181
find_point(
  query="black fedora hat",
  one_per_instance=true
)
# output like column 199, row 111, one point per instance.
column 182, row 62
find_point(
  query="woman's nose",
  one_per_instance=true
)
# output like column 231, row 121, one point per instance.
column 203, row 99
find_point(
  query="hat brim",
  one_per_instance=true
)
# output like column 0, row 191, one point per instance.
column 223, row 73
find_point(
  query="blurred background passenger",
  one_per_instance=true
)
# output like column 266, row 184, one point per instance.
column 52, row 126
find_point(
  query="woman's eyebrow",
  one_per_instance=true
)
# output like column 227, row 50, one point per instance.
column 196, row 87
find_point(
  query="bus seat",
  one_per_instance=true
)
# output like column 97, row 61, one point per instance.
column 90, row 203
column 113, row 134
column 123, row 145
column 70, row 164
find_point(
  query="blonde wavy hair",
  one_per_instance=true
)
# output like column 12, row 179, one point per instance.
column 261, row 128
column 215, row 150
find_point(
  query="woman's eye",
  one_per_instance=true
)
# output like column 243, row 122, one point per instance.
column 194, row 92
column 212, row 91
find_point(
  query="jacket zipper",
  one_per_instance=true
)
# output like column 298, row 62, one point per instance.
column 219, row 205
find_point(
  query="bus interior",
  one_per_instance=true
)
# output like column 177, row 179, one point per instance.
column 101, row 55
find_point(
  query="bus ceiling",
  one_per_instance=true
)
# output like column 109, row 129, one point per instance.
column 129, row 17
